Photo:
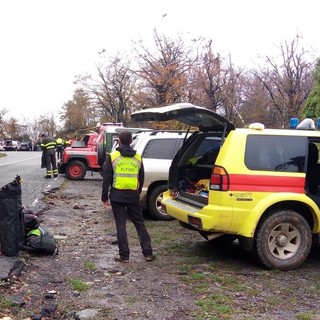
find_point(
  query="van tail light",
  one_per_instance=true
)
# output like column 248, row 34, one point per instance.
column 219, row 179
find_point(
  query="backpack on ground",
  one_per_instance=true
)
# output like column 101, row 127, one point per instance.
column 40, row 240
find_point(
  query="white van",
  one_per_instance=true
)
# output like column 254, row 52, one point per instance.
column 11, row 145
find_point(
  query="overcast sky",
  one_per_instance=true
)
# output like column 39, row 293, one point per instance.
column 46, row 43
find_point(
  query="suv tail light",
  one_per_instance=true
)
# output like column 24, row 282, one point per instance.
column 219, row 179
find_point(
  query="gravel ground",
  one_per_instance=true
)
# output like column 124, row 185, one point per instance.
column 190, row 278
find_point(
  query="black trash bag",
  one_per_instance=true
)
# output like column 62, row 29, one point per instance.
column 12, row 231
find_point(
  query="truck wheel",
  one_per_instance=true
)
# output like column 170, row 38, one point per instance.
column 101, row 154
column 154, row 203
column 283, row 241
column 76, row 170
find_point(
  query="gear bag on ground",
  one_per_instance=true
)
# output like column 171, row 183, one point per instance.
column 11, row 220
column 37, row 239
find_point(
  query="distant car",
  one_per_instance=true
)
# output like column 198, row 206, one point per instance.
column 1, row 146
column 11, row 145
column 25, row 146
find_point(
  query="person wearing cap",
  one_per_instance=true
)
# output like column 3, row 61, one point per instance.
column 48, row 147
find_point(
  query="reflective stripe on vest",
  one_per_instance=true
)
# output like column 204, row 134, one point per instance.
column 125, row 171
column 35, row 232
column 48, row 145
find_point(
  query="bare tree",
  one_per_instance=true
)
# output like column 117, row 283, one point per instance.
column 12, row 128
column 2, row 123
column 33, row 130
column 213, row 84
column 112, row 90
column 287, row 84
column 163, row 74
column 254, row 101
column 209, row 79
column 77, row 113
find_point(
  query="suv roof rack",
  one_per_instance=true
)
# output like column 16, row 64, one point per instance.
column 132, row 130
column 155, row 132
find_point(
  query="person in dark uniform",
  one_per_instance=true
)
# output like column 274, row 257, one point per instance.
column 59, row 147
column 123, row 177
column 48, row 147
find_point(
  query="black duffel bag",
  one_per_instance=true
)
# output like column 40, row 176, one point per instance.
column 11, row 218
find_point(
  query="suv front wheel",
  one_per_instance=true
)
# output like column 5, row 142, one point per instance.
column 283, row 240
column 154, row 203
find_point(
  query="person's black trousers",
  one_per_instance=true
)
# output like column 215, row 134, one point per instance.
column 134, row 211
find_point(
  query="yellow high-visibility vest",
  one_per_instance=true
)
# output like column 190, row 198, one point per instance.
column 125, row 171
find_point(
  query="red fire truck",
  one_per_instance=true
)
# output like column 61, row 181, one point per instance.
column 89, row 153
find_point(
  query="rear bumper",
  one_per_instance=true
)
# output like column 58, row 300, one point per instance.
column 211, row 218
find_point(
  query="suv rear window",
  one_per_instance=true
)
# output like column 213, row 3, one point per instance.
column 275, row 153
column 162, row 148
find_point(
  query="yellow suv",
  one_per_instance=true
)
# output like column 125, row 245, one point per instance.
column 256, row 185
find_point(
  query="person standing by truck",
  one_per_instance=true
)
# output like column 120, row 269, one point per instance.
column 67, row 142
column 123, row 177
column 48, row 147
column 59, row 148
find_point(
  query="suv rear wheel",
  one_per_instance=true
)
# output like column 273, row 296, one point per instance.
column 154, row 204
column 283, row 240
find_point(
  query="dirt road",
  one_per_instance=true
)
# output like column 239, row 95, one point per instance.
column 190, row 279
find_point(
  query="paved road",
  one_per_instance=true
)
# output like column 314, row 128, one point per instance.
column 27, row 165
column 33, row 186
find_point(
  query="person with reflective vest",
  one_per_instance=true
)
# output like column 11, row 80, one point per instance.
column 59, row 147
column 122, row 181
column 48, row 147
column 67, row 142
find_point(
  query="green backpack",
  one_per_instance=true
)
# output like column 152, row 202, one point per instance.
column 40, row 240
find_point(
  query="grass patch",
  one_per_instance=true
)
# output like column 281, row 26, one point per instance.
column 2, row 155
column 305, row 316
column 185, row 268
column 198, row 276
column 273, row 300
column 131, row 299
column 5, row 303
column 78, row 284
column 90, row 266
column 213, row 307
column 105, row 312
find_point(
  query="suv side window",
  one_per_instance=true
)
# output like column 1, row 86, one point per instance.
column 162, row 148
column 275, row 153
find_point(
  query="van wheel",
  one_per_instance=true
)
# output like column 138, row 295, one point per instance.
column 283, row 240
column 154, row 203
column 76, row 170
